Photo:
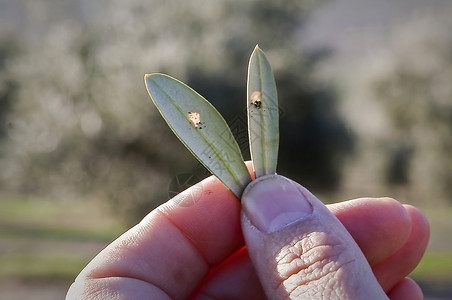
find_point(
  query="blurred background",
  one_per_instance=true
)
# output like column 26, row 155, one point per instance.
column 365, row 90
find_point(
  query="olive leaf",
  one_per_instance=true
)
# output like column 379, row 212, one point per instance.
column 263, row 114
column 201, row 129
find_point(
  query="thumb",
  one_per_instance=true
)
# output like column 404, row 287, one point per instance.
column 299, row 249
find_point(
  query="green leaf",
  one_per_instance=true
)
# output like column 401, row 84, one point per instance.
column 201, row 128
column 263, row 114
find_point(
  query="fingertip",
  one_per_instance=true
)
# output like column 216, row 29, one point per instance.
column 370, row 209
column 406, row 289
column 408, row 256
column 380, row 226
column 419, row 223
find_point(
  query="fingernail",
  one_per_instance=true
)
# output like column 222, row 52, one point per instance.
column 273, row 202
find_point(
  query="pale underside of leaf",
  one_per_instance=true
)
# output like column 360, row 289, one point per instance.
column 263, row 114
column 201, row 129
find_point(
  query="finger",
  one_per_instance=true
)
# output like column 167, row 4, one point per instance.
column 175, row 246
column 380, row 226
column 406, row 289
column 401, row 263
column 212, row 224
column 299, row 248
column 233, row 279
column 114, row 288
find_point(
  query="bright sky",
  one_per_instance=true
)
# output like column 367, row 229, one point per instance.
column 350, row 26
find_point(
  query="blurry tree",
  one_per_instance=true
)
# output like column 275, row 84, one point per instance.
column 417, row 95
column 412, row 86
column 82, row 122
column 8, row 49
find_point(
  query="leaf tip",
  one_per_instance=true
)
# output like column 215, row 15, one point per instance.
column 257, row 48
column 147, row 78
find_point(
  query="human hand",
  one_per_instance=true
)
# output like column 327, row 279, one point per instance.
column 358, row 249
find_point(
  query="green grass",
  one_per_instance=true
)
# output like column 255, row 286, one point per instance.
column 434, row 267
column 27, row 226
column 56, row 219
column 44, row 239
column 54, row 233
column 42, row 267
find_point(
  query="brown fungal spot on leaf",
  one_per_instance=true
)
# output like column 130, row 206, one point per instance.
column 195, row 118
column 256, row 99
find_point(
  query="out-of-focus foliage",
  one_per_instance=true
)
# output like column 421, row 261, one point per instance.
column 8, row 87
column 75, row 119
column 406, row 131
column 80, row 122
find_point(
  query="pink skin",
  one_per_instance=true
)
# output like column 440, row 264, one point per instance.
column 198, row 251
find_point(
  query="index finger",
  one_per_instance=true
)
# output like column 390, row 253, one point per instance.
column 175, row 246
